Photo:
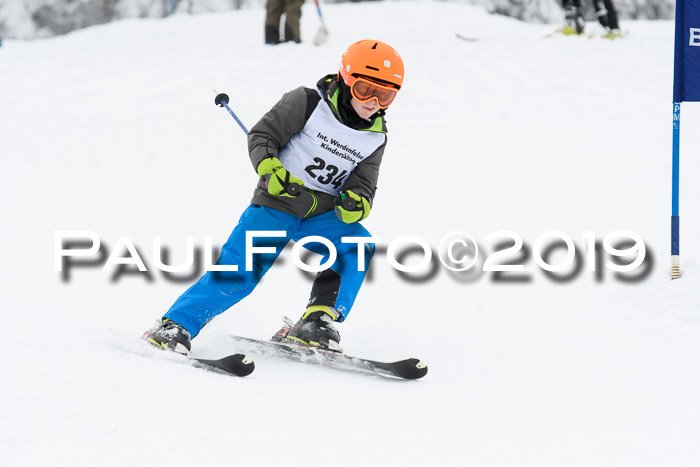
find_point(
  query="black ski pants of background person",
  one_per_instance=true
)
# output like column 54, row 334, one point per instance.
column 607, row 14
column 604, row 9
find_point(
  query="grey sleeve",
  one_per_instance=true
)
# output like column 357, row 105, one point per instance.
column 363, row 180
column 276, row 127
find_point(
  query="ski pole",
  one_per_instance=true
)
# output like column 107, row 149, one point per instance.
column 322, row 33
column 320, row 15
column 222, row 101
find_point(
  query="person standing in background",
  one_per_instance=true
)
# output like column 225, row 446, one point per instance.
column 292, row 30
column 605, row 13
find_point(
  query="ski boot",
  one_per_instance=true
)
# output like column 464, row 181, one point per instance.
column 167, row 334
column 575, row 23
column 613, row 34
column 314, row 329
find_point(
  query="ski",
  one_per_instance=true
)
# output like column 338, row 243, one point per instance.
column 411, row 368
column 570, row 32
column 605, row 35
column 236, row 364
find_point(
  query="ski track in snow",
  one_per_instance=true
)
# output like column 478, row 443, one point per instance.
column 112, row 129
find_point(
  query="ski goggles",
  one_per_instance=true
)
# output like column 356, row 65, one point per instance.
column 364, row 90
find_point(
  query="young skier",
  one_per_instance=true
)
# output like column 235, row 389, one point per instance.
column 317, row 153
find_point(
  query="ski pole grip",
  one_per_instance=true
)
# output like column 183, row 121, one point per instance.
column 349, row 204
column 346, row 202
column 293, row 189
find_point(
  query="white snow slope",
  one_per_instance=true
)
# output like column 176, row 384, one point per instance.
column 113, row 130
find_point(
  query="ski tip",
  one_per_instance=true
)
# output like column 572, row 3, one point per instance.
column 411, row 368
column 241, row 365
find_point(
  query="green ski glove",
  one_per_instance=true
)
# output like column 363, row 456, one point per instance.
column 280, row 182
column 351, row 207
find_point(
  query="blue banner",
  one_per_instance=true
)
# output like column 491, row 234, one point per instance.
column 686, row 76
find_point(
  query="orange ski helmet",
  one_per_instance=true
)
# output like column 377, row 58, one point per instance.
column 375, row 62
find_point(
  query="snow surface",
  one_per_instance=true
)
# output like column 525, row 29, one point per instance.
column 112, row 129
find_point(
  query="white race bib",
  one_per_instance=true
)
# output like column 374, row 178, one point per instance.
column 325, row 151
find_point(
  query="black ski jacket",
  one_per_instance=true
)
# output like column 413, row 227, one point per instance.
column 289, row 117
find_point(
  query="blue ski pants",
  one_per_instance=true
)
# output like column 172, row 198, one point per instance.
column 217, row 291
